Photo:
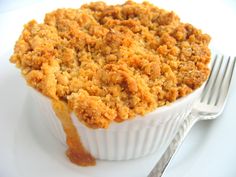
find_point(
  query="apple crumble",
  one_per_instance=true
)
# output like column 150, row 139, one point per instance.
column 112, row 62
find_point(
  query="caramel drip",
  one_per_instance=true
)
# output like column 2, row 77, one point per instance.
column 76, row 151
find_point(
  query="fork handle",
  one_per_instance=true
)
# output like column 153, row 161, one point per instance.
column 162, row 164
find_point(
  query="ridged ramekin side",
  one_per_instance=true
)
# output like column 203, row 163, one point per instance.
column 122, row 141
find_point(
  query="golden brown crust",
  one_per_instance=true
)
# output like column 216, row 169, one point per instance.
column 111, row 63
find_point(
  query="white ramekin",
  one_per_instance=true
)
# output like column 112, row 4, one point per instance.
column 127, row 140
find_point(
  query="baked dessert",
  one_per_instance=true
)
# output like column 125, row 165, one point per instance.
column 110, row 63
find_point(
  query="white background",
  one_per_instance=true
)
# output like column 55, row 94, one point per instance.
column 209, row 150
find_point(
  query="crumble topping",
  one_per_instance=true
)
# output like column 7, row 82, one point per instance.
column 112, row 62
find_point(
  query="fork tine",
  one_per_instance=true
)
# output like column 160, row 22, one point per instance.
column 222, row 82
column 217, row 82
column 212, row 67
column 207, row 86
column 226, row 81
column 231, row 76
column 212, row 79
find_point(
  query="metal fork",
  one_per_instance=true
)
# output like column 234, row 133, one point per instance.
column 209, row 106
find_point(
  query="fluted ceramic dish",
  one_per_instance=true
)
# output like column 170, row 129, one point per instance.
column 131, row 139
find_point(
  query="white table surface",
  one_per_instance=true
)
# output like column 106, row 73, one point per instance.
column 210, row 148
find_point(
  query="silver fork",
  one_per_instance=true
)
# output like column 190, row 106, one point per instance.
column 209, row 106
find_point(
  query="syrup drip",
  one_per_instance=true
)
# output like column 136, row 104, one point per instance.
column 76, row 151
